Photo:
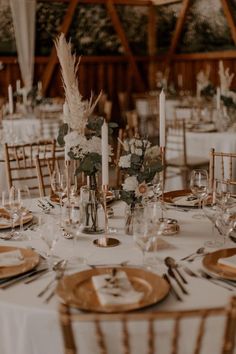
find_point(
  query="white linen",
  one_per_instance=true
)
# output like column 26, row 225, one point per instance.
column 36, row 325
column 115, row 290
column 228, row 261
column 11, row 258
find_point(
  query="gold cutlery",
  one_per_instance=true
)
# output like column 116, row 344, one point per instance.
column 172, row 288
column 172, row 273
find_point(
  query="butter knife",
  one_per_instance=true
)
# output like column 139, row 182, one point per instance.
column 6, row 283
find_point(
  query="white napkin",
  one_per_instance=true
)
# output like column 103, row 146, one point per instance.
column 11, row 258
column 115, row 290
column 228, row 261
column 183, row 201
column 4, row 221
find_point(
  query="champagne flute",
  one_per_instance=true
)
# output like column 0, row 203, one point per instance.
column 58, row 184
column 199, row 187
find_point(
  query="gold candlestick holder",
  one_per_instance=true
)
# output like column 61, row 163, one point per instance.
column 106, row 241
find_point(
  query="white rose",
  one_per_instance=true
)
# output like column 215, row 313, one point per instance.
column 125, row 161
column 130, row 183
column 138, row 142
column 139, row 152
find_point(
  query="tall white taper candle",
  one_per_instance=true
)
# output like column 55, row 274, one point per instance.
column 105, row 155
column 162, row 118
column 218, row 98
column 10, row 99
column 17, row 86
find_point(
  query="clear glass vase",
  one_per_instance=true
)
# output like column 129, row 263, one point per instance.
column 91, row 208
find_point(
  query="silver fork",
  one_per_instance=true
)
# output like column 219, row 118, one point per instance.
column 59, row 275
column 58, row 268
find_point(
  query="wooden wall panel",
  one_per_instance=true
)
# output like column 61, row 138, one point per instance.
column 112, row 74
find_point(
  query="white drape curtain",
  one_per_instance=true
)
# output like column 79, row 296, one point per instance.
column 23, row 14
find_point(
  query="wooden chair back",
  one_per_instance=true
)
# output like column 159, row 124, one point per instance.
column 102, row 323
column 176, row 140
column 20, row 161
column 222, row 167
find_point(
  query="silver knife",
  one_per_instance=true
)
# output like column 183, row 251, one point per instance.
column 9, row 282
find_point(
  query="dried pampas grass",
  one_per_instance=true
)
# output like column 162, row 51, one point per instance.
column 79, row 109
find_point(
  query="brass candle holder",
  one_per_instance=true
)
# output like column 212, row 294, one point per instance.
column 106, row 241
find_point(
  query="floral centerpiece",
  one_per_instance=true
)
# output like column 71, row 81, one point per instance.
column 140, row 163
column 80, row 133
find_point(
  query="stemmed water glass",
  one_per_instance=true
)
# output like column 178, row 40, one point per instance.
column 13, row 204
column 199, row 187
column 211, row 210
column 49, row 235
column 147, row 228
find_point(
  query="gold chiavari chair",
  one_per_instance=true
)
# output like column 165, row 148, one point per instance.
column 177, row 161
column 222, row 167
column 20, row 162
column 203, row 318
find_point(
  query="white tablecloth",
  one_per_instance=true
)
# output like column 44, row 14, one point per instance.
column 28, row 326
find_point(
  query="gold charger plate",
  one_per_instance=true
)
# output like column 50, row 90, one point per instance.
column 78, row 291
column 31, row 261
column 173, row 196
column 210, row 263
column 26, row 218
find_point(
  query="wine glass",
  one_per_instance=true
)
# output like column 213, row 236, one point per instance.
column 211, row 210
column 226, row 220
column 199, row 187
column 13, row 204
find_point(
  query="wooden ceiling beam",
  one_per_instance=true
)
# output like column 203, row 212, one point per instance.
column 48, row 72
column 121, row 34
column 116, row 2
column 177, row 33
column 229, row 18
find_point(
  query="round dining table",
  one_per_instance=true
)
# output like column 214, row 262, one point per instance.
column 31, row 326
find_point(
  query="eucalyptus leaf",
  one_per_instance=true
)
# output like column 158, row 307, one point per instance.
column 63, row 130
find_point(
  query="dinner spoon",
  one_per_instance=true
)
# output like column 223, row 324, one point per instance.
column 171, row 263
column 199, row 251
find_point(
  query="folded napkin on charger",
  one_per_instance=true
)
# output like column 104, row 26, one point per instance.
column 115, row 289
column 11, row 258
column 187, row 200
column 228, row 261
column 4, row 221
